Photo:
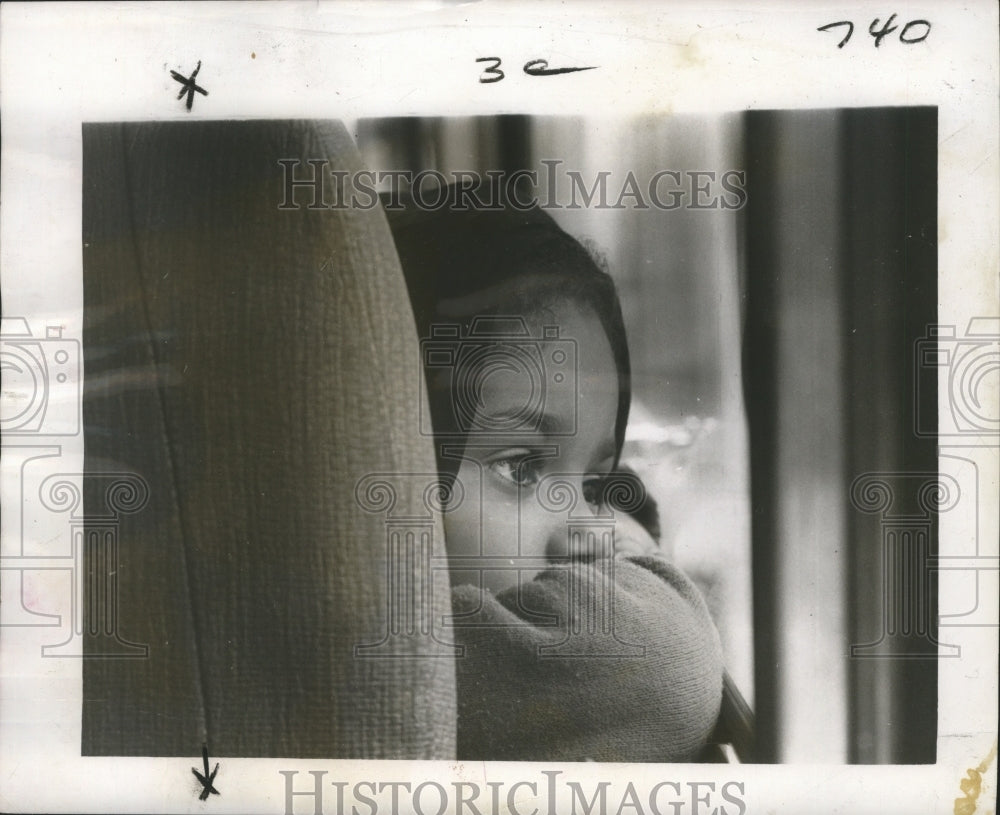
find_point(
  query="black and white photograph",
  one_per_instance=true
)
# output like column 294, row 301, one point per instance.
column 526, row 454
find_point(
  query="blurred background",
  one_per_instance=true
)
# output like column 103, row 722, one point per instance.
column 771, row 325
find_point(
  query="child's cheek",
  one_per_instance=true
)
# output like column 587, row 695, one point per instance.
column 502, row 522
column 484, row 529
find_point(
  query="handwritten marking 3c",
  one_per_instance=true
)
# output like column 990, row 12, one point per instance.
column 533, row 67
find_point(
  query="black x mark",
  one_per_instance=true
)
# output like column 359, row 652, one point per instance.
column 208, row 779
column 189, row 85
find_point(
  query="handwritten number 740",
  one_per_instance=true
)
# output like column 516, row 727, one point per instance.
column 913, row 32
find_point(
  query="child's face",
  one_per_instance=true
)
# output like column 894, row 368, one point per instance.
column 500, row 521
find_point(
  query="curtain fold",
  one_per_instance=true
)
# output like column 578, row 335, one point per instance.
column 841, row 284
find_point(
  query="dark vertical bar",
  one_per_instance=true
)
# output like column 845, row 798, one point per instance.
column 760, row 389
column 514, row 143
column 890, row 249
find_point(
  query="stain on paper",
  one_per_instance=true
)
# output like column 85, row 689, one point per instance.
column 972, row 785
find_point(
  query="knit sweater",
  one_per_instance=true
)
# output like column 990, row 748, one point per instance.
column 527, row 691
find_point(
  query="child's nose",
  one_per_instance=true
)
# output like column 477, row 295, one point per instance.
column 576, row 529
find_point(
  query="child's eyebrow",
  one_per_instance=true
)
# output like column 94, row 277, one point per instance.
column 546, row 424
column 553, row 425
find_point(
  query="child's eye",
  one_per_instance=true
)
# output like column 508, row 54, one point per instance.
column 593, row 490
column 519, row 469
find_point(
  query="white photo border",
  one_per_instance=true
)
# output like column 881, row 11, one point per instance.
column 65, row 64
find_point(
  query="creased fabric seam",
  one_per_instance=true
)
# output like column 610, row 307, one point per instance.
column 203, row 717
